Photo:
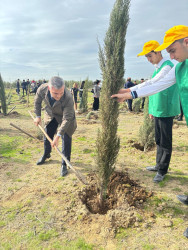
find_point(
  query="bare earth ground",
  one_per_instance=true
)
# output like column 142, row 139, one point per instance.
column 41, row 210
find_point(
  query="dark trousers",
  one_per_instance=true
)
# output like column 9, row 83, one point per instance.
column 51, row 129
column 25, row 91
column 143, row 101
column 129, row 102
column 181, row 114
column 163, row 139
column 96, row 103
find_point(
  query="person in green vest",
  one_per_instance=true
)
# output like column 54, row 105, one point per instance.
column 176, row 44
column 163, row 107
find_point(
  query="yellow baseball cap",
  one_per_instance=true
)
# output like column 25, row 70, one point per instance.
column 148, row 47
column 172, row 35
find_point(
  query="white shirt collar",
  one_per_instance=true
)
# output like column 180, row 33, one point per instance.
column 159, row 64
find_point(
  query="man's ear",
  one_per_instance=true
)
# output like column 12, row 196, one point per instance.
column 186, row 41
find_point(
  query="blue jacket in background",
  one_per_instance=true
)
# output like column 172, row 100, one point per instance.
column 128, row 85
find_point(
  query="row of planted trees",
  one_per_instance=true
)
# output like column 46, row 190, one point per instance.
column 3, row 97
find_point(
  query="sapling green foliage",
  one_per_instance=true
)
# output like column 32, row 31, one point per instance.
column 111, row 59
column 137, row 104
column 3, row 96
column 147, row 129
column 9, row 96
column 84, row 99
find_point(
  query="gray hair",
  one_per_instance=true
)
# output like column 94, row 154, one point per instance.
column 56, row 82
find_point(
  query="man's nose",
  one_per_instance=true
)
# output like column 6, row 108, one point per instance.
column 171, row 56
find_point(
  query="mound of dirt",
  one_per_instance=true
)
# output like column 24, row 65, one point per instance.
column 14, row 114
column 138, row 145
column 89, row 121
column 125, row 197
column 121, row 190
column 92, row 115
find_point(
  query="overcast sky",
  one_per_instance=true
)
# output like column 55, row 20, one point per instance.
column 43, row 38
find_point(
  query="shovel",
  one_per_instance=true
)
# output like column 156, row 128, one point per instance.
column 78, row 174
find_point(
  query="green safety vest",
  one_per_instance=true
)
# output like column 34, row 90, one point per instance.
column 165, row 103
column 182, row 82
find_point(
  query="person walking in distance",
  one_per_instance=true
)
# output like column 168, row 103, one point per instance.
column 18, row 86
column 74, row 92
column 96, row 95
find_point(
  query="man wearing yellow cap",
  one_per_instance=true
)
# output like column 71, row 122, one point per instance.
column 162, row 108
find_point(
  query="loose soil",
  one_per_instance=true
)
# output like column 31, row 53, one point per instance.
column 121, row 190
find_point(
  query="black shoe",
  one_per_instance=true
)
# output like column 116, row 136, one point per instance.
column 183, row 199
column 159, row 177
column 186, row 233
column 152, row 168
column 42, row 159
column 64, row 170
column 180, row 118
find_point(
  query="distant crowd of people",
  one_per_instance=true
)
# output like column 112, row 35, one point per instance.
column 28, row 86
